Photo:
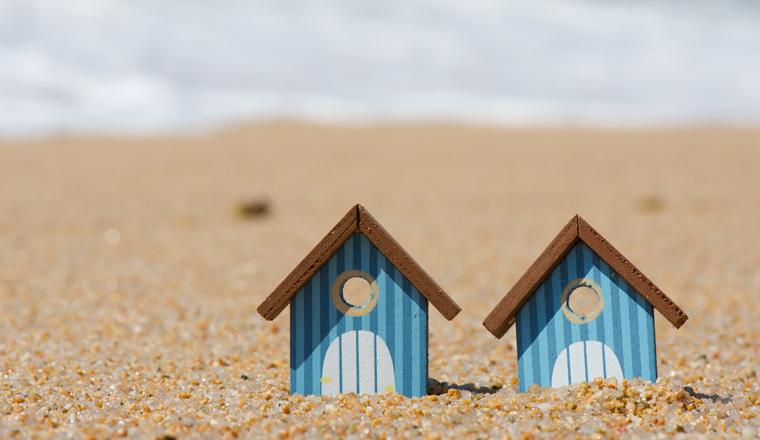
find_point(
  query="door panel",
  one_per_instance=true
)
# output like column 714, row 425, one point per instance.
column 584, row 361
column 357, row 361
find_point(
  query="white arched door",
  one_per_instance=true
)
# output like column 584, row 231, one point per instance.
column 584, row 361
column 358, row 362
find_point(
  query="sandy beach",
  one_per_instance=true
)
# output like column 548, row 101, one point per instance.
column 131, row 269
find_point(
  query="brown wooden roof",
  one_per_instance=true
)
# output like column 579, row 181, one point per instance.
column 502, row 317
column 357, row 219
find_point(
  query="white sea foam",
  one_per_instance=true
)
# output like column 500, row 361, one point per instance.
column 136, row 66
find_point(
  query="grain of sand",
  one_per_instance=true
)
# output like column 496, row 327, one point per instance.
column 131, row 269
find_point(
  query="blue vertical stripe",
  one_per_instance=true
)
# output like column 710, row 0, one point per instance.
column 564, row 279
column 357, row 263
column 645, row 324
column 403, row 361
column 604, row 361
column 418, row 336
column 534, row 348
column 383, row 330
column 549, row 310
column 559, row 318
column 325, row 304
column 308, row 312
column 573, row 273
column 340, row 363
column 633, row 325
column 293, row 351
column 543, row 346
column 585, row 362
column 592, row 333
column 617, row 331
column 419, row 355
column 415, row 337
column 652, row 344
column 371, row 263
column 568, row 274
column 608, row 315
column 627, row 351
column 407, row 331
column 390, row 301
column 300, row 311
column 357, row 248
column 347, row 264
column 341, row 254
column 340, row 261
column 530, row 345
column 640, row 330
column 598, row 332
column 604, row 320
column 525, row 361
column 364, row 264
column 581, row 271
column 358, row 367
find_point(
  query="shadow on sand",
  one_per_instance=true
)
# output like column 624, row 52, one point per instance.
column 437, row 388
column 703, row 396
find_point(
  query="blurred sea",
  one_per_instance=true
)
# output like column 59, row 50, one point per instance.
column 145, row 66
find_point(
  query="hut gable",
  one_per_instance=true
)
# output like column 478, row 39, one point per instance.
column 374, row 347
column 555, row 345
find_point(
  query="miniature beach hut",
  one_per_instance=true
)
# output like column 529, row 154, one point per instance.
column 557, row 346
column 378, row 346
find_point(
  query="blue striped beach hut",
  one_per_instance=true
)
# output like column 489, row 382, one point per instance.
column 372, row 344
column 613, row 337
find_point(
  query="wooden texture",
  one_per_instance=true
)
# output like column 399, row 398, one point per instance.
column 357, row 218
column 502, row 317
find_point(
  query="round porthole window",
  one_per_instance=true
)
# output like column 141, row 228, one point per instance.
column 355, row 293
column 582, row 301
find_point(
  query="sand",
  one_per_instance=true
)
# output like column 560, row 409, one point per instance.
column 131, row 269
